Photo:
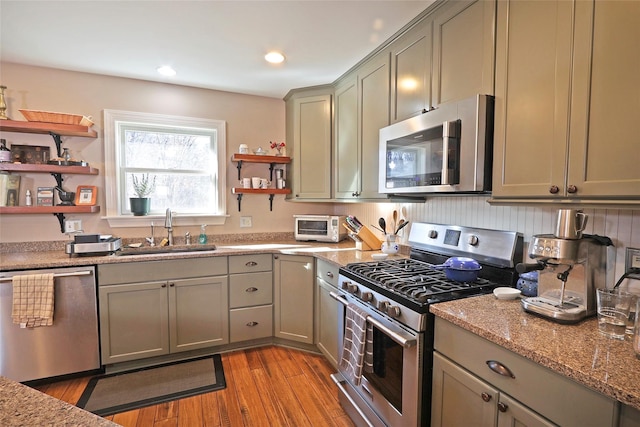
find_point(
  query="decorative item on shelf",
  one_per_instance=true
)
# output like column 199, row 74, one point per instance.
column 143, row 187
column 5, row 153
column 58, row 118
column 44, row 196
column 86, row 195
column 9, row 187
column 279, row 147
column 260, row 151
column 3, row 104
column 66, row 197
column 243, row 149
column 30, row 154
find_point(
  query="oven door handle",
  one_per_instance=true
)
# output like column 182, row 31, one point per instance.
column 405, row 340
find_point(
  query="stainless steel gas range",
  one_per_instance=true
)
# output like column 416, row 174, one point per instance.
column 395, row 294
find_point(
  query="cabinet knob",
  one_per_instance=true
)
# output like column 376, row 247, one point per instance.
column 250, row 324
column 329, row 274
column 276, row 257
column 251, row 289
column 171, row 285
column 485, row 396
column 554, row 189
column 572, row 189
column 355, row 194
column 164, row 285
column 502, row 407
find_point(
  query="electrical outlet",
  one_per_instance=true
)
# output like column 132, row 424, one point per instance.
column 632, row 260
column 245, row 221
column 73, row 226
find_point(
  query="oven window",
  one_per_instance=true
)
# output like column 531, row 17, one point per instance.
column 387, row 368
column 313, row 228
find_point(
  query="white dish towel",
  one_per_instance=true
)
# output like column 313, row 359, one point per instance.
column 33, row 296
column 357, row 349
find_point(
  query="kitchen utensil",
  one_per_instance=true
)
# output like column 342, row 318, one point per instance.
column 264, row 183
column 402, row 225
column 389, row 246
column 246, row 182
column 377, row 228
column 460, row 269
column 395, row 219
column 506, row 293
column 613, row 312
column 383, row 225
column 66, row 197
column 528, row 283
column 570, row 224
column 255, row 182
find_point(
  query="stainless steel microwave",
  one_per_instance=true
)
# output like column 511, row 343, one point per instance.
column 320, row 228
column 446, row 150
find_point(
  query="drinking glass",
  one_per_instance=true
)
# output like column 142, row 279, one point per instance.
column 613, row 312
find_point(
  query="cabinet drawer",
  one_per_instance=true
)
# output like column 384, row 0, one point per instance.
column 250, row 263
column 327, row 272
column 250, row 289
column 546, row 392
column 251, row 323
column 147, row 271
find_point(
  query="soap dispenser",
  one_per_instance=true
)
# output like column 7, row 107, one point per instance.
column 203, row 235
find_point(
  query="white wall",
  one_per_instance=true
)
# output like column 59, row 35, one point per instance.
column 252, row 120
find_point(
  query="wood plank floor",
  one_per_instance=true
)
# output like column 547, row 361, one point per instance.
column 268, row 386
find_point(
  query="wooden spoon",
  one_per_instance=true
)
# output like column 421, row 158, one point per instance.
column 395, row 219
column 383, row 225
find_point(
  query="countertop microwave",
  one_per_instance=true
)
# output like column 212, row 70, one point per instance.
column 445, row 150
column 320, row 228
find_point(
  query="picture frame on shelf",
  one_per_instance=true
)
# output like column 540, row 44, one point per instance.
column 86, row 195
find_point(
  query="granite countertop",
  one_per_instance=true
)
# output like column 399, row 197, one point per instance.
column 576, row 351
column 23, row 406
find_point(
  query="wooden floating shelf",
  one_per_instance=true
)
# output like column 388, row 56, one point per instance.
column 46, row 128
column 253, row 158
column 44, row 168
column 48, row 209
column 241, row 190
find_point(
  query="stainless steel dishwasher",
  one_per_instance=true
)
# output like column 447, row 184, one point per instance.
column 69, row 346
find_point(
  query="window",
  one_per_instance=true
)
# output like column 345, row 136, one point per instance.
column 184, row 156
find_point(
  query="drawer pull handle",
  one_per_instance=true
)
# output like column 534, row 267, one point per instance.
column 252, row 324
column 485, row 396
column 251, row 289
column 499, row 368
column 251, row 264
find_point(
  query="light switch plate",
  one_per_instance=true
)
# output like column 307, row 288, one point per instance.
column 632, row 260
column 245, row 221
column 73, row 226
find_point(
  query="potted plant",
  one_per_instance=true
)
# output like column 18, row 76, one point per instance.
column 143, row 186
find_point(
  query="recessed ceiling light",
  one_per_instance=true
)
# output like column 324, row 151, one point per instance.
column 166, row 70
column 274, row 57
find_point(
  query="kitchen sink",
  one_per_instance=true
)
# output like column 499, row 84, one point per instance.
column 146, row 250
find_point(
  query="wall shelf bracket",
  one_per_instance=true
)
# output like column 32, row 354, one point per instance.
column 60, row 217
column 58, row 140
column 239, row 166
column 58, row 177
column 239, row 201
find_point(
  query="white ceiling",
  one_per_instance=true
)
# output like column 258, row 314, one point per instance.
column 211, row 44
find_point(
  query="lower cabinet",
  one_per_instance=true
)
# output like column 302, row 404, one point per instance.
column 151, row 316
column 293, row 277
column 477, row 382
column 328, row 311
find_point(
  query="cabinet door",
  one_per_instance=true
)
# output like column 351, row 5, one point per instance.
column 328, row 314
column 603, row 156
column 459, row 398
column 464, row 53
column 533, row 63
column 293, row 298
column 373, row 107
column 347, row 149
column 133, row 321
column 198, row 313
column 411, row 72
column 512, row 414
column 311, row 159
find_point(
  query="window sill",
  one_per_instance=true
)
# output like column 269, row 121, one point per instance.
column 158, row 220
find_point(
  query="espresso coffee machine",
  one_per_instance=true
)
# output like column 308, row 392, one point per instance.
column 571, row 268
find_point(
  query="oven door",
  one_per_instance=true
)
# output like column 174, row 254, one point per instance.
column 392, row 392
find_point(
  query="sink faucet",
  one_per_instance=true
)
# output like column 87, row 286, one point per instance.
column 168, row 225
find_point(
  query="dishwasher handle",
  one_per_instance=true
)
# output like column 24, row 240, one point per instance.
column 74, row 273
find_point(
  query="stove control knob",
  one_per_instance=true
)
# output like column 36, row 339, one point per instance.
column 349, row 287
column 367, row 296
column 432, row 234
column 383, row 305
column 393, row 311
column 473, row 240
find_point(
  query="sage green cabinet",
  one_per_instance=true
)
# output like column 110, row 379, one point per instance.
column 356, row 175
column 328, row 311
column 561, row 104
column 309, row 129
column 629, row 417
column 293, row 277
column 146, row 310
column 525, row 391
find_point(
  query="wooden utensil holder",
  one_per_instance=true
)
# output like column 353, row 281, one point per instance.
column 369, row 241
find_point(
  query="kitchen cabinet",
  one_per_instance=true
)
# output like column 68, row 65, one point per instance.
column 557, row 96
column 56, row 131
column 328, row 311
column 309, row 128
column 250, row 297
column 516, row 391
column 356, row 174
column 293, row 277
column 155, row 308
column 239, row 159
column 629, row 417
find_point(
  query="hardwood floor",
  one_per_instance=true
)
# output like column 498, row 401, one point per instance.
column 268, row 386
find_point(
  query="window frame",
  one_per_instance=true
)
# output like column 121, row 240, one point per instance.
column 112, row 150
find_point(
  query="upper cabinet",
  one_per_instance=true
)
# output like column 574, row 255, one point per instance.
column 558, row 98
column 309, row 127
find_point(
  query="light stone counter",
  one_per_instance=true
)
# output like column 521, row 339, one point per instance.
column 23, row 406
column 575, row 351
